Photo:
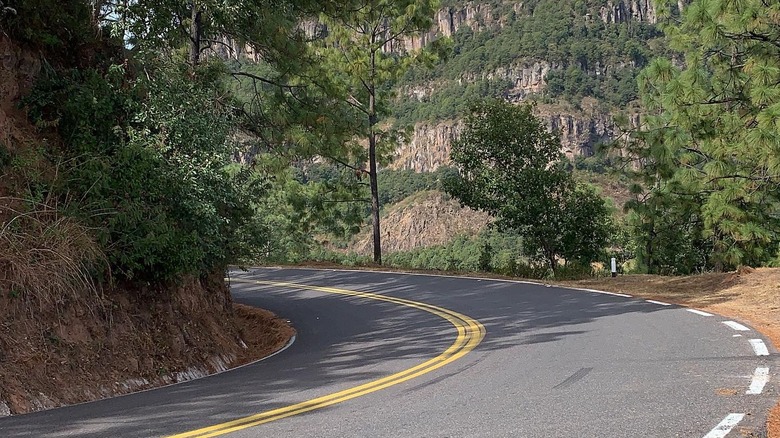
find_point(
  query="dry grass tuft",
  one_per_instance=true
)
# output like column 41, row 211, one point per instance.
column 46, row 257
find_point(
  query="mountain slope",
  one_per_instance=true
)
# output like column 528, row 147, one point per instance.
column 577, row 60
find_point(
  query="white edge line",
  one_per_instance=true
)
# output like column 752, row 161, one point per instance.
column 600, row 292
column 759, row 380
column 699, row 312
column 725, row 426
column 661, row 303
column 759, row 347
column 736, row 326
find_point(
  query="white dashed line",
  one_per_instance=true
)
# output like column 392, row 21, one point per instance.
column 725, row 426
column 736, row 326
column 760, row 379
column 699, row 312
column 759, row 347
column 658, row 302
column 607, row 293
column 736, row 336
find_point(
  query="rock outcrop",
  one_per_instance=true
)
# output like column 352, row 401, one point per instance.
column 622, row 11
column 429, row 147
column 580, row 130
column 422, row 220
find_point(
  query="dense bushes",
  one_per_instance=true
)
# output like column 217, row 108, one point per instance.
column 144, row 164
column 490, row 251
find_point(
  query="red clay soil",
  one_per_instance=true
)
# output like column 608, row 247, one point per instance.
column 69, row 351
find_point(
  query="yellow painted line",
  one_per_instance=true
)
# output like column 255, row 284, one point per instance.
column 470, row 334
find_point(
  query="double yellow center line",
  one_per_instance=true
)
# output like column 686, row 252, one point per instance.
column 470, row 334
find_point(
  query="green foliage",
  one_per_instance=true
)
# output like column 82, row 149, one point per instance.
column 709, row 153
column 147, row 160
column 57, row 27
column 396, row 185
column 587, row 57
column 512, row 168
column 490, row 251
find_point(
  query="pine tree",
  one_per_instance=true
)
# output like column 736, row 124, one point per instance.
column 365, row 50
column 710, row 147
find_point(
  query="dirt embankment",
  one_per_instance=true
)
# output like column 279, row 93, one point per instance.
column 65, row 339
column 79, row 348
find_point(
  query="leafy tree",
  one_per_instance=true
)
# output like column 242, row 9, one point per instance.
column 512, row 168
column 365, row 50
column 709, row 148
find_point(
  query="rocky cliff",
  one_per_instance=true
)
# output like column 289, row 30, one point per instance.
column 481, row 15
column 580, row 130
column 581, row 126
column 622, row 11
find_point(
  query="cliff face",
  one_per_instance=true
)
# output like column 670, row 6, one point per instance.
column 622, row 11
column 581, row 127
column 479, row 16
column 580, row 130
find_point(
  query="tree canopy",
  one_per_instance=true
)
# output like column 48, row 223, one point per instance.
column 511, row 167
column 708, row 150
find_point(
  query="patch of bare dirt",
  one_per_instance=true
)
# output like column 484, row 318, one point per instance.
column 421, row 220
column 750, row 295
column 71, row 351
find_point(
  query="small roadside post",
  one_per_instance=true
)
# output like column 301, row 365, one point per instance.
column 614, row 267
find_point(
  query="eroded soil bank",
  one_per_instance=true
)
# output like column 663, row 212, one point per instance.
column 80, row 348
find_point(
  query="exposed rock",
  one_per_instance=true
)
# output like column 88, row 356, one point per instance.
column 580, row 130
column 4, row 409
column 621, row 11
column 477, row 16
column 429, row 147
column 422, row 220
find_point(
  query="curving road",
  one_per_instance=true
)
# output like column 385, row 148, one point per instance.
column 553, row 363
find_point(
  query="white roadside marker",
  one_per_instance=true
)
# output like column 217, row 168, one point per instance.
column 736, row 326
column 699, row 312
column 658, row 302
column 760, row 379
column 759, row 347
column 725, row 426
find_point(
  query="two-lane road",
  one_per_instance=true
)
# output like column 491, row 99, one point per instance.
column 553, row 363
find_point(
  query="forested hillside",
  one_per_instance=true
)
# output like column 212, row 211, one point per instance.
column 578, row 59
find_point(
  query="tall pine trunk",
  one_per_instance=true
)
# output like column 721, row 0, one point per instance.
column 372, row 171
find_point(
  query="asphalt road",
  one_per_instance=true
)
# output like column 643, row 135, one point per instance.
column 553, row 363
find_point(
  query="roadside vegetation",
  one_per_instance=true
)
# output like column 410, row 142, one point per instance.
column 148, row 145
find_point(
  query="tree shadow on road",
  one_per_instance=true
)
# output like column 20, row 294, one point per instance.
column 342, row 342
